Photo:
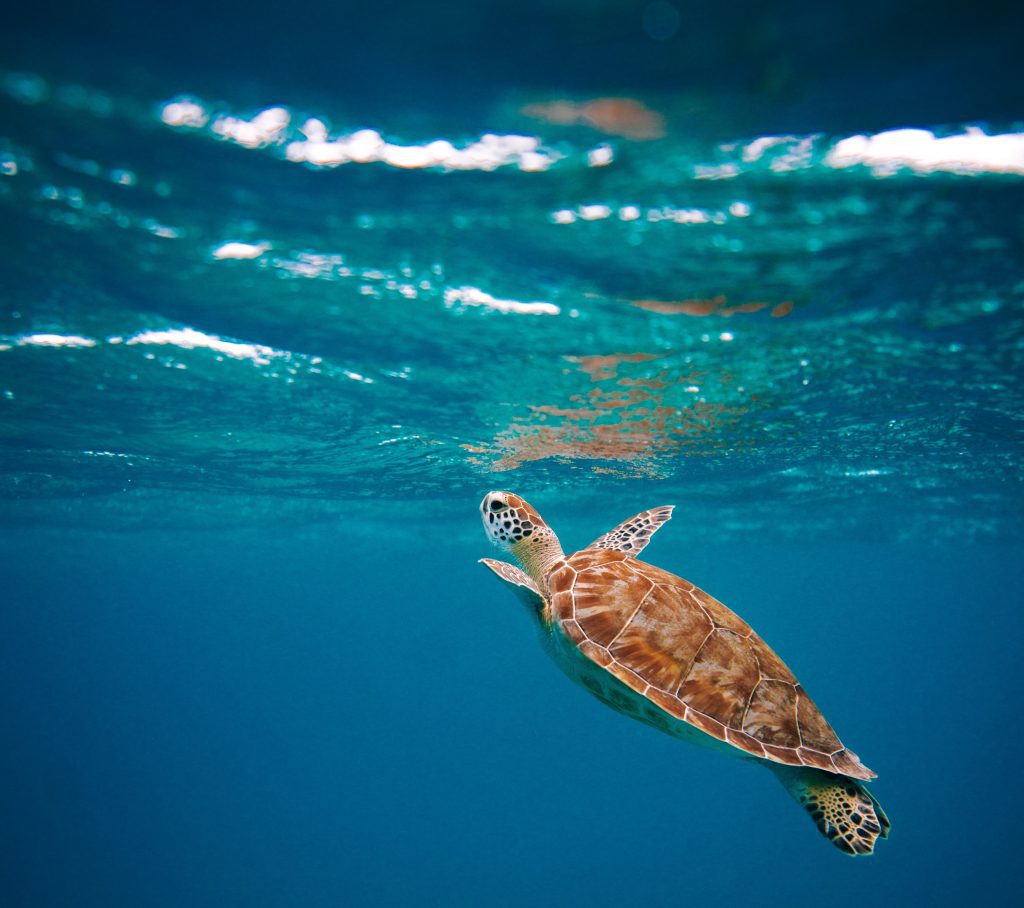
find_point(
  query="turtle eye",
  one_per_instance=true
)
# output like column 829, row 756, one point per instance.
column 496, row 505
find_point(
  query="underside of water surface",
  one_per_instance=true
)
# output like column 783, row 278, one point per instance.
column 217, row 309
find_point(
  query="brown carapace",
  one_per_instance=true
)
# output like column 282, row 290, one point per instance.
column 692, row 656
column 656, row 647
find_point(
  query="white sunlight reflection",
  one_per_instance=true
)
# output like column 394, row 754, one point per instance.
column 474, row 296
column 235, row 250
column 971, row 152
column 190, row 339
column 55, row 340
column 272, row 126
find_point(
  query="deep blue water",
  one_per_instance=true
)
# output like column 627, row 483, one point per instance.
column 258, row 369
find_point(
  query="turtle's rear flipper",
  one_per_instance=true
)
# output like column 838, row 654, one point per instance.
column 845, row 812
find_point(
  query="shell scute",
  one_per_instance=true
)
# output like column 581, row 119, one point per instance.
column 629, row 677
column 721, row 614
column 561, row 580
column 661, row 638
column 745, row 742
column 604, row 597
column 575, row 633
column 814, row 758
column 668, row 702
column 780, row 754
column 815, row 732
column 771, row 665
column 771, row 716
column 706, row 724
column 849, row 764
column 596, row 653
column 721, row 679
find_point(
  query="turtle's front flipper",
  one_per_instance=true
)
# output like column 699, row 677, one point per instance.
column 631, row 536
column 518, row 581
column 844, row 811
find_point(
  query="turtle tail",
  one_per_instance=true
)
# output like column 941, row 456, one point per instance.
column 844, row 811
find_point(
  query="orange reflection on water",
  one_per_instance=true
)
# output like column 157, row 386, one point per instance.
column 635, row 423
column 602, row 367
column 716, row 305
column 626, row 117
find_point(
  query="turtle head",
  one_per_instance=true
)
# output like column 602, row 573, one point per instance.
column 512, row 524
column 509, row 520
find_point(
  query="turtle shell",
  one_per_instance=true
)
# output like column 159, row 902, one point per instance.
column 691, row 656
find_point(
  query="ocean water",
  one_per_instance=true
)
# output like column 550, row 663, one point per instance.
column 285, row 292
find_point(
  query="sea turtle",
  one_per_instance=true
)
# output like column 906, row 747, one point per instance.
column 657, row 648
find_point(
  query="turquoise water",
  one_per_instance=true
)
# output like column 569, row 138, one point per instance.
column 267, row 337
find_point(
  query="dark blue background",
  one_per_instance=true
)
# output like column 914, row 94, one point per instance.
column 783, row 65
column 353, row 712
column 247, row 719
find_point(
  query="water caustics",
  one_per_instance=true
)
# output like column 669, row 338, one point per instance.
column 593, row 293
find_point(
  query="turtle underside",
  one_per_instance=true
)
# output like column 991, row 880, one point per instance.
column 694, row 658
